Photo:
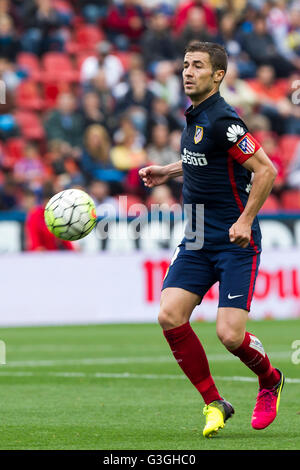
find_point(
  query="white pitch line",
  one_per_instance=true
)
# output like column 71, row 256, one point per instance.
column 129, row 375
column 127, row 360
column 89, row 361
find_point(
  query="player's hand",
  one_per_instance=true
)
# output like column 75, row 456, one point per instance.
column 240, row 233
column 153, row 175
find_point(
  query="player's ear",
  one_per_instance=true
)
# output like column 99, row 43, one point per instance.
column 219, row 75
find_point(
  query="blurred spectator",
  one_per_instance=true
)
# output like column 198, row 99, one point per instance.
column 99, row 191
column 237, row 92
column 9, row 193
column 73, row 176
column 93, row 10
column 267, row 87
column 282, row 24
column 91, row 109
column 261, row 48
column 62, row 162
column 10, row 78
column 230, row 37
column 292, row 41
column 96, row 162
column 157, row 43
column 270, row 145
column 37, row 235
column 161, row 195
column 28, row 200
column 248, row 17
column 99, row 86
column 159, row 152
column 235, row 6
column 137, row 100
column 64, row 122
column 9, row 43
column 136, row 61
column 29, row 170
column 195, row 29
column 257, row 123
column 8, row 126
column 128, row 153
column 293, row 176
column 125, row 21
column 182, row 14
column 42, row 22
column 166, row 84
column 160, row 113
column 58, row 152
column 272, row 95
column 9, row 7
column 131, row 89
column 109, row 63
column 293, row 120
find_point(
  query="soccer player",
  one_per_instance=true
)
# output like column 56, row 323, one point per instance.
column 218, row 158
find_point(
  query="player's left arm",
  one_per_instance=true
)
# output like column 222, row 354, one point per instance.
column 264, row 175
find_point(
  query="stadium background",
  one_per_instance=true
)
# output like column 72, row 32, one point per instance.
column 68, row 119
column 92, row 92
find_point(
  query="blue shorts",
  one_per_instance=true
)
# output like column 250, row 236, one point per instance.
column 197, row 270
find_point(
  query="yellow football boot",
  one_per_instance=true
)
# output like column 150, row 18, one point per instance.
column 217, row 412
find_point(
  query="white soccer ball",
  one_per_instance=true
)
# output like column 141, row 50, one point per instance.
column 70, row 214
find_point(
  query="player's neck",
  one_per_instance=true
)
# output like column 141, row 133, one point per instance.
column 200, row 98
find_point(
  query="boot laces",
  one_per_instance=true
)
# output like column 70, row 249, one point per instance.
column 265, row 400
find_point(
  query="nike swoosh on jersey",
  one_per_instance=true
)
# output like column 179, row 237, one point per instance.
column 234, row 296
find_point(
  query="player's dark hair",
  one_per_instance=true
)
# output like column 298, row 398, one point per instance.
column 217, row 53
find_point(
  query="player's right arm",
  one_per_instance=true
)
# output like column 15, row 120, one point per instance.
column 155, row 175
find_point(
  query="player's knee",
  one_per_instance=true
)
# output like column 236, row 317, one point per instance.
column 168, row 319
column 231, row 339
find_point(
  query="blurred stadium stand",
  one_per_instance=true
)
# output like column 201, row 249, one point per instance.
column 69, row 65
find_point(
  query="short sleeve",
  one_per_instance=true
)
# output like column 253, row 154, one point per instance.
column 233, row 136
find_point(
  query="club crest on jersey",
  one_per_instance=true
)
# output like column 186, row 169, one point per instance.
column 198, row 134
column 246, row 145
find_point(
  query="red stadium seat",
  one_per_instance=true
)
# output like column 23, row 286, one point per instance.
column 30, row 63
column 51, row 92
column 15, row 148
column 28, row 96
column 290, row 200
column 288, row 145
column 85, row 39
column 30, row 125
column 58, row 67
column 271, row 205
column 12, row 152
column 260, row 136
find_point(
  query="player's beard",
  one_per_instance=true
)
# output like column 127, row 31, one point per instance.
column 199, row 94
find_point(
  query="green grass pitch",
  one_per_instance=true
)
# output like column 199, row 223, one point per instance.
column 115, row 387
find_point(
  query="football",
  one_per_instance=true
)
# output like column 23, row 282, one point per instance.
column 70, row 214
